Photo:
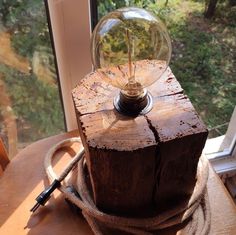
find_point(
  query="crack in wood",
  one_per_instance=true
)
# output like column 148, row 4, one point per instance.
column 157, row 168
column 99, row 111
column 171, row 94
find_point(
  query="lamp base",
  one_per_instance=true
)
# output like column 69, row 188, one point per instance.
column 133, row 106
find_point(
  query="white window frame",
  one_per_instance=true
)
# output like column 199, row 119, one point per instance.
column 221, row 151
column 71, row 30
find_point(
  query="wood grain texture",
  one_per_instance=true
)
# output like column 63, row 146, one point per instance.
column 142, row 162
column 165, row 85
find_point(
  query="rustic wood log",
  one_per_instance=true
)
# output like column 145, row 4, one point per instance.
column 139, row 163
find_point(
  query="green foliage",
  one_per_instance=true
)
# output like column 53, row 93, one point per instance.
column 225, row 12
column 105, row 6
column 34, row 103
column 26, row 20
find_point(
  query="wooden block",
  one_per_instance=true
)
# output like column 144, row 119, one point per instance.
column 142, row 162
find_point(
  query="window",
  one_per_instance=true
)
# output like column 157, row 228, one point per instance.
column 203, row 64
column 71, row 36
column 30, row 104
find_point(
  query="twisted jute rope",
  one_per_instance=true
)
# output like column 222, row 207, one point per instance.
column 197, row 206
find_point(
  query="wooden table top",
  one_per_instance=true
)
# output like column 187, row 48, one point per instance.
column 25, row 178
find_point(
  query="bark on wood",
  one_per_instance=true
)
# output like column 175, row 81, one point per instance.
column 210, row 9
column 138, row 163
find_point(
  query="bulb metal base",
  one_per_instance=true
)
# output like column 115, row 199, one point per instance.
column 133, row 105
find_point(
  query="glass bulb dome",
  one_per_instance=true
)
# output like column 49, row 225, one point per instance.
column 131, row 49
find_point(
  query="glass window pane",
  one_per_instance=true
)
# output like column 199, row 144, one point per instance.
column 30, row 105
column 203, row 58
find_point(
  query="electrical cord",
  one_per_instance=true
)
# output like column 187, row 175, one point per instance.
column 56, row 181
column 99, row 220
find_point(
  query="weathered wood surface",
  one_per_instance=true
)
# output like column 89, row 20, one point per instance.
column 136, row 163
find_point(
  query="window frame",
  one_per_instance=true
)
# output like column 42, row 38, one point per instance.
column 223, row 158
column 72, row 52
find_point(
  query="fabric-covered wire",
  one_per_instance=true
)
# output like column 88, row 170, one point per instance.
column 99, row 220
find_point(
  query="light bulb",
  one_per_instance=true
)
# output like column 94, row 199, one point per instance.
column 131, row 49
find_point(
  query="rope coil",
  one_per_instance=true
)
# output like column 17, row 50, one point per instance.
column 99, row 220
